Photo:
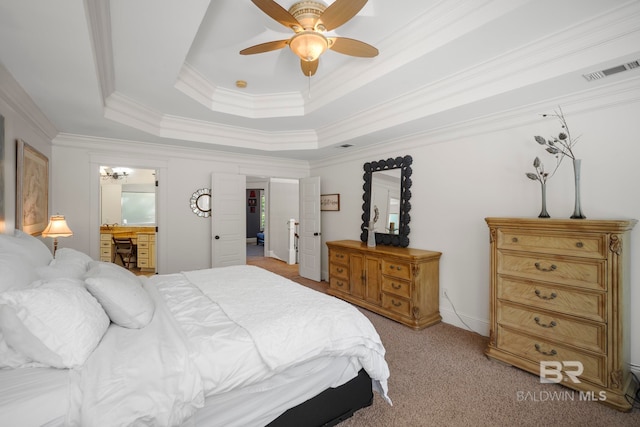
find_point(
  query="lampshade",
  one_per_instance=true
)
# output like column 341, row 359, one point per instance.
column 308, row 45
column 57, row 227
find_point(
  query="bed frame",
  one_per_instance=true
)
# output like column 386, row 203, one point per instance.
column 330, row 407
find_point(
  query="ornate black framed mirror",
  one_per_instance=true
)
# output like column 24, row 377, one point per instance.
column 387, row 191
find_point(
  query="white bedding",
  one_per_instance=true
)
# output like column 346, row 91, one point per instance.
column 201, row 342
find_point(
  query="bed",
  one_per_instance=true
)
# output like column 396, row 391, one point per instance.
column 88, row 343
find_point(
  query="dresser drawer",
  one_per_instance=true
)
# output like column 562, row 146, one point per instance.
column 105, row 236
column 590, row 305
column 143, row 263
column 396, row 304
column 105, row 244
column 536, row 350
column 584, row 334
column 339, row 284
column 400, row 270
column 401, row 288
column 144, row 245
column 143, row 253
column 586, row 273
column 339, row 271
column 571, row 244
column 339, row 257
column 143, row 237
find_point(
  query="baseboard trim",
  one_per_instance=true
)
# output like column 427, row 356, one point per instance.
column 478, row 326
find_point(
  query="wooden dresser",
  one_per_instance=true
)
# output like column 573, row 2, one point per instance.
column 399, row 283
column 560, row 293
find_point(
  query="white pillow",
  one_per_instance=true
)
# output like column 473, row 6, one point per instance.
column 58, row 324
column 15, row 271
column 67, row 254
column 34, row 251
column 72, row 268
column 121, row 294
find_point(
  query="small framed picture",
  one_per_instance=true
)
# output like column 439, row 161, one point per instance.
column 329, row 202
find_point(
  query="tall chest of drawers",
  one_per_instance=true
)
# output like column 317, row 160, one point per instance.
column 560, row 294
column 399, row 283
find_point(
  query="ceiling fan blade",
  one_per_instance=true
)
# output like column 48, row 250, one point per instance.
column 277, row 12
column 352, row 47
column 264, row 47
column 340, row 12
column 309, row 68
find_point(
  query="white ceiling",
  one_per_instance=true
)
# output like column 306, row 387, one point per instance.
column 164, row 71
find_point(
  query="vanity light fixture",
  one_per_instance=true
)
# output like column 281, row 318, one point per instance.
column 113, row 174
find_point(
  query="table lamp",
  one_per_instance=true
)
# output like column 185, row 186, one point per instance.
column 57, row 228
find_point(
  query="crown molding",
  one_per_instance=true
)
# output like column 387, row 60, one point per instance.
column 194, row 85
column 99, row 18
column 128, row 112
column 249, row 164
column 20, row 101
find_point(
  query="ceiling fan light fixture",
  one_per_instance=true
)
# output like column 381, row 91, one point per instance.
column 308, row 45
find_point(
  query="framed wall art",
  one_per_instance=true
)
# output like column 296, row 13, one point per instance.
column 329, row 202
column 2, row 195
column 32, row 189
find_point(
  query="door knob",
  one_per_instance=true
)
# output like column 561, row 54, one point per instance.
column 316, row 234
column 217, row 237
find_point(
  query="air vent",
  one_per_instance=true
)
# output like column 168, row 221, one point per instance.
column 610, row 71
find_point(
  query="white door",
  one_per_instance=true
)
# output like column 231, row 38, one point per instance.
column 228, row 220
column 310, row 240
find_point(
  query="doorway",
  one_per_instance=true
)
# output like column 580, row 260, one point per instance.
column 128, row 204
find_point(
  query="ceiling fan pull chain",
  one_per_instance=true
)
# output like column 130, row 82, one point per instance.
column 309, row 84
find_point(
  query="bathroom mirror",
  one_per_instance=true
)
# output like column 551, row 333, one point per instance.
column 386, row 196
column 200, row 202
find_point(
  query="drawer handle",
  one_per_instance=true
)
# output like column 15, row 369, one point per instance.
column 396, row 304
column 397, row 267
column 339, row 256
column 340, row 270
column 546, row 353
column 552, row 296
column 553, row 267
column 514, row 239
column 550, row 325
column 394, row 286
column 340, row 284
column 579, row 244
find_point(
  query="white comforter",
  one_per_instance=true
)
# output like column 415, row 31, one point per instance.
column 214, row 331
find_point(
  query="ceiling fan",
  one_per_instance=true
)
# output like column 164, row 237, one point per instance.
column 309, row 20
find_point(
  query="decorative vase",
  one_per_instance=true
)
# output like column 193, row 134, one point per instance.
column 543, row 212
column 371, row 239
column 577, row 209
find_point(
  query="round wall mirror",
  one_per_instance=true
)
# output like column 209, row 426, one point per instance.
column 200, row 202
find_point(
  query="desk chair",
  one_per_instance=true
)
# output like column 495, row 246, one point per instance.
column 126, row 250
